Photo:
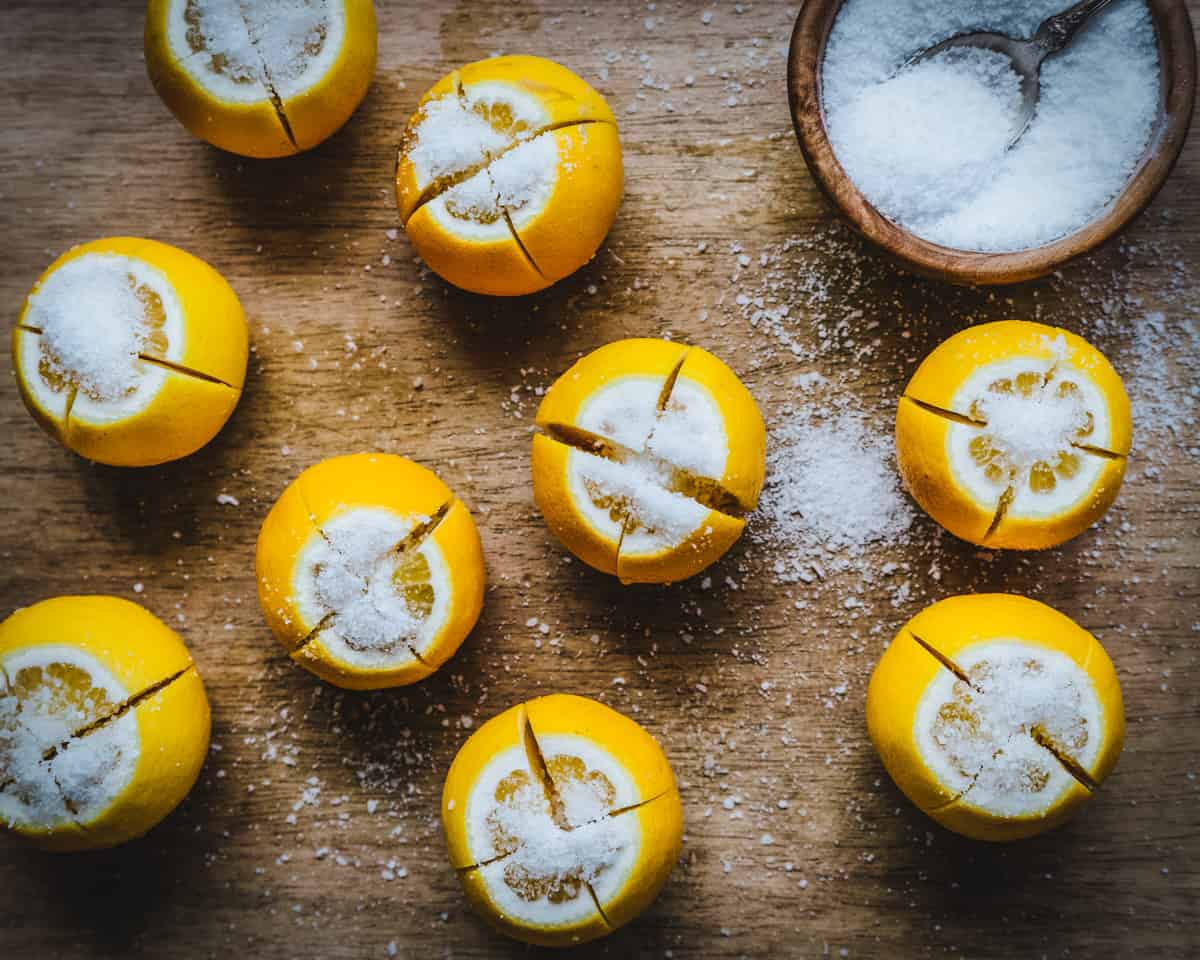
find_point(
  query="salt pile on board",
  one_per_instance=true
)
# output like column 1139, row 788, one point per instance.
column 93, row 324
column 831, row 487
column 1098, row 106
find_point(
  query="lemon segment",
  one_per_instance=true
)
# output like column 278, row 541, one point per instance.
column 130, row 352
column 1014, row 435
column 561, row 96
column 562, row 224
column 261, row 79
column 504, row 162
column 647, row 361
column 594, row 537
column 652, row 451
column 104, row 724
column 995, row 715
column 563, row 832
column 470, row 247
column 370, row 573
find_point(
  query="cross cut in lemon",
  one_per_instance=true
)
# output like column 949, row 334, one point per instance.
column 650, row 455
column 370, row 571
column 509, row 175
column 562, row 819
column 130, row 352
column 104, row 724
column 1014, row 435
column 261, row 78
column 996, row 715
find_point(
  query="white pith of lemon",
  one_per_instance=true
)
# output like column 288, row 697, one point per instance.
column 230, row 53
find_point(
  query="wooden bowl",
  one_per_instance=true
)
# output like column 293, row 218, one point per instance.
column 1177, row 59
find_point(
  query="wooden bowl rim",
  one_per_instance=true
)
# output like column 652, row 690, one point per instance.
column 1177, row 59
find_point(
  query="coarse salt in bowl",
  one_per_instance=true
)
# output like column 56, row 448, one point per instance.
column 917, row 158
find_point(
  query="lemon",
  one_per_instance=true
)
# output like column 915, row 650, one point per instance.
column 261, row 78
column 1014, row 435
column 509, row 175
column 562, row 819
column 370, row 571
column 130, row 352
column 650, row 455
column 104, row 724
column 996, row 715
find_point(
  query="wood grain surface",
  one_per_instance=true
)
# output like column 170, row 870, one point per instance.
column 797, row 843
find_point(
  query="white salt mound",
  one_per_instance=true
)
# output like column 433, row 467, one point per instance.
column 354, row 567
column 831, row 489
column 93, row 324
column 917, row 142
column 924, row 142
column 987, row 739
column 275, row 43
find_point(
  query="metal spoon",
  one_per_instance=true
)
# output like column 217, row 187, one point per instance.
column 1026, row 55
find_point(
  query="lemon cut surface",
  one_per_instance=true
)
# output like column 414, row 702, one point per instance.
column 370, row 571
column 261, row 78
column 1014, row 435
column 509, row 175
column 562, row 819
column 650, row 456
column 130, row 352
column 996, row 715
column 104, row 723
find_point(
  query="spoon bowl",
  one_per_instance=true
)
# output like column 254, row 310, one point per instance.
column 1026, row 56
column 1177, row 88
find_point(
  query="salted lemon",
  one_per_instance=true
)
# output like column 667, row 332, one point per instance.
column 104, row 724
column 1014, row 435
column 130, row 352
column 562, row 819
column 370, row 571
column 509, row 175
column 650, row 454
column 996, row 715
column 261, row 78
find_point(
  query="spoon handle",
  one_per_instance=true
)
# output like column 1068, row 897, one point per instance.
column 1056, row 31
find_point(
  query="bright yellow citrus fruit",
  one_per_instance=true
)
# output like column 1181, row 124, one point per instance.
column 130, row 352
column 650, row 455
column 261, row 79
column 996, row 715
column 1014, row 435
column 370, row 571
column 562, row 819
column 509, row 175
column 104, row 724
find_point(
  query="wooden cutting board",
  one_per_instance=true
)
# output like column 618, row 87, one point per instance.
column 797, row 842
